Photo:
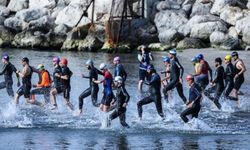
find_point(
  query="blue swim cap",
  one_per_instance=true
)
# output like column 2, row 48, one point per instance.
column 234, row 54
column 200, row 56
column 165, row 59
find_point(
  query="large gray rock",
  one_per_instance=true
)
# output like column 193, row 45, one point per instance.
column 203, row 30
column 6, row 37
column 43, row 24
column 90, row 43
column 16, row 5
column 231, row 14
column 3, row 2
column 224, row 41
column 42, row 3
column 167, row 5
column 201, row 8
column 169, row 36
column 219, row 5
column 243, row 29
column 232, row 32
column 4, row 11
column 61, row 30
column 14, row 24
column 187, row 6
column 71, row 14
column 27, row 15
column 190, row 43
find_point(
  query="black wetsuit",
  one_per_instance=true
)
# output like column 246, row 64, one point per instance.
column 155, row 95
column 195, row 97
column 66, row 83
column 218, row 88
column 176, row 72
column 122, row 97
column 93, row 88
column 56, row 80
column 120, row 71
column 26, row 85
column 7, row 71
column 240, row 79
column 229, row 81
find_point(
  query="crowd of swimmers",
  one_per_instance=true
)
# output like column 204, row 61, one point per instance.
column 226, row 82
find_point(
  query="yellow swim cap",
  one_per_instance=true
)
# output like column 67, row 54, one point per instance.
column 228, row 57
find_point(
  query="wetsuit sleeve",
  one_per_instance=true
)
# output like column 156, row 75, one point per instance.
column 15, row 70
column 210, row 72
column 181, row 68
column 125, row 93
column 100, row 72
column 3, row 70
column 152, row 80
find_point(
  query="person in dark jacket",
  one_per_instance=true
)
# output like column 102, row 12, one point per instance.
column 193, row 104
column 7, row 71
column 121, row 101
column 155, row 92
column 119, row 69
column 217, row 83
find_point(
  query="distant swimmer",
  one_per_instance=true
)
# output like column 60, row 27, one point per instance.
column 229, row 78
column 203, row 72
column 144, row 58
column 119, row 69
column 93, row 87
column 195, row 96
column 121, row 102
column 166, row 79
column 155, row 92
column 64, row 76
column 176, row 74
column 7, row 71
column 217, row 83
column 240, row 69
column 26, row 76
column 43, row 88
column 107, row 88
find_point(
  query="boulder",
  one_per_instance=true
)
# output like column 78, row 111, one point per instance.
column 27, row 15
column 17, row 5
column 232, row 32
column 14, row 24
column 43, row 24
column 224, row 41
column 90, row 43
column 201, row 8
column 71, row 15
column 6, row 37
column 243, row 29
column 168, row 5
column 203, row 30
column 4, row 11
column 78, row 33
column 169, row 36
column 3, row 2
column 61, row 30
column 187, row 6
column 42, row 3
column 219, row 5
column 191, row 43
column 231, row 14
column 202, row 19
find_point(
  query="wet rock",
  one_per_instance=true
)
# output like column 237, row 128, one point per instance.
column 6, row 37
column 90, row 43
column 43, row 24
column 203, row 30
column 42, row 3
column 4, row 11
column 14, row 24
column 27, row 15
column 17, row 5
column 191, row 43
column 231, row 14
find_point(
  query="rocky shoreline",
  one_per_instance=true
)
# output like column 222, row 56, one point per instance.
column 184, row 24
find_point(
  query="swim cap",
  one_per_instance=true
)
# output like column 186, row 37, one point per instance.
column 89, row 62
column 103, row 66
column 150, row 67
column 200, row 56
column 40, row 67
column 6, row 57
column 234, row 54
column 25, row 59
column 189, row 77
column 173, row 52
column 165, row 59
column 218, row 59
column 56, row 60
column 117, row 58
column 64, row 61
column 118, row 79
column 228, row 57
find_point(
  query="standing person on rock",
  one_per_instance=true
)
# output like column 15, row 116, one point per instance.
column 176, row 74
column 155, row 92
column 26, row 75
column 240, row 69
column 229, row 78
column 7, row 71
column 65, row 77
column 93, row 87
column 42, row 88
column 203, row 72
column 144, row 58
column 107, row 88
column 193, row 104
column 217, row 83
